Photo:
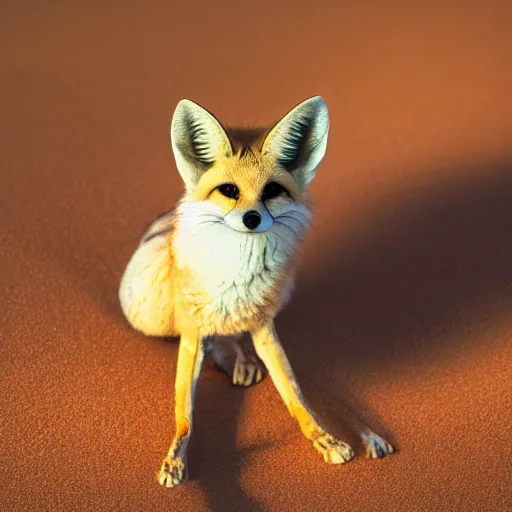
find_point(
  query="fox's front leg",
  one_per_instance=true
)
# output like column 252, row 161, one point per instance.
column 190, row 358
column 271, row 352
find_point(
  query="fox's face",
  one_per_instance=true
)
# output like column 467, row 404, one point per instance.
column 248, row 190
column 251, row 181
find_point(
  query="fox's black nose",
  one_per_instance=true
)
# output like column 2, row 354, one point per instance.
column 252, row 219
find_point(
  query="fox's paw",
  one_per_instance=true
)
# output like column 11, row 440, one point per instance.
column 172, row 473
column 333, row 451
column 375, row 446
column 242, row 366
column 248, row 371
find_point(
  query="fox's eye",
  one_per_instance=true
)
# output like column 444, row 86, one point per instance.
column 229, row 190
column 272, row 190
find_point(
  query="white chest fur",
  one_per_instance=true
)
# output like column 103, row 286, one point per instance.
column 235, row 271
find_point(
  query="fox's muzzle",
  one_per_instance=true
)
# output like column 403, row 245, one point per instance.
column 257, row 220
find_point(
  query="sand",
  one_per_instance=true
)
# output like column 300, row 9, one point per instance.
column 403, row 307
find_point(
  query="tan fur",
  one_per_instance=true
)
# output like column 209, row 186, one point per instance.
column 182, row 282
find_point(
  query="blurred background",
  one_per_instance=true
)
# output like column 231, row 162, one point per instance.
column 403, row 308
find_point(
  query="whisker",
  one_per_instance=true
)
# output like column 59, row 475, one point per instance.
column 295, row 233
column 292, row 213
column 208, row 221
column 298, row 222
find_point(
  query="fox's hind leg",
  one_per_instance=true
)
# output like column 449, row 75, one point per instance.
column 236, row 360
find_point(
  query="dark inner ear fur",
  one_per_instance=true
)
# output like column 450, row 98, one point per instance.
column 199, row 149
column 296, row 138
column 199, row 143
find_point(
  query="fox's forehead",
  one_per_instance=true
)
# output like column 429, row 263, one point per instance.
column 247, row 167
column 250, row 171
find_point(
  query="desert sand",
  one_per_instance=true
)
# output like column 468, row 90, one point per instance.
column 403, row 310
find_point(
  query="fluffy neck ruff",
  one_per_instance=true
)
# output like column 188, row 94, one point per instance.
column 224, row 260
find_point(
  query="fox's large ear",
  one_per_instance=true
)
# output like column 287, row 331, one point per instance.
column 299, row 140
column 198, row 140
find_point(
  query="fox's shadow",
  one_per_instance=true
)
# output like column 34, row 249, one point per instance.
column 424, row 274
column 215, row 462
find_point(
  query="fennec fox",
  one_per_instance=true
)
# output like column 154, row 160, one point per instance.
column 222, row 263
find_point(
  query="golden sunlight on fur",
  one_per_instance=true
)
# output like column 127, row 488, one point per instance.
column 222, row 262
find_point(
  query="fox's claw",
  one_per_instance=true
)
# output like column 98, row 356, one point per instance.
column 172, row 473
column 375, row 446
column 333, row 451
